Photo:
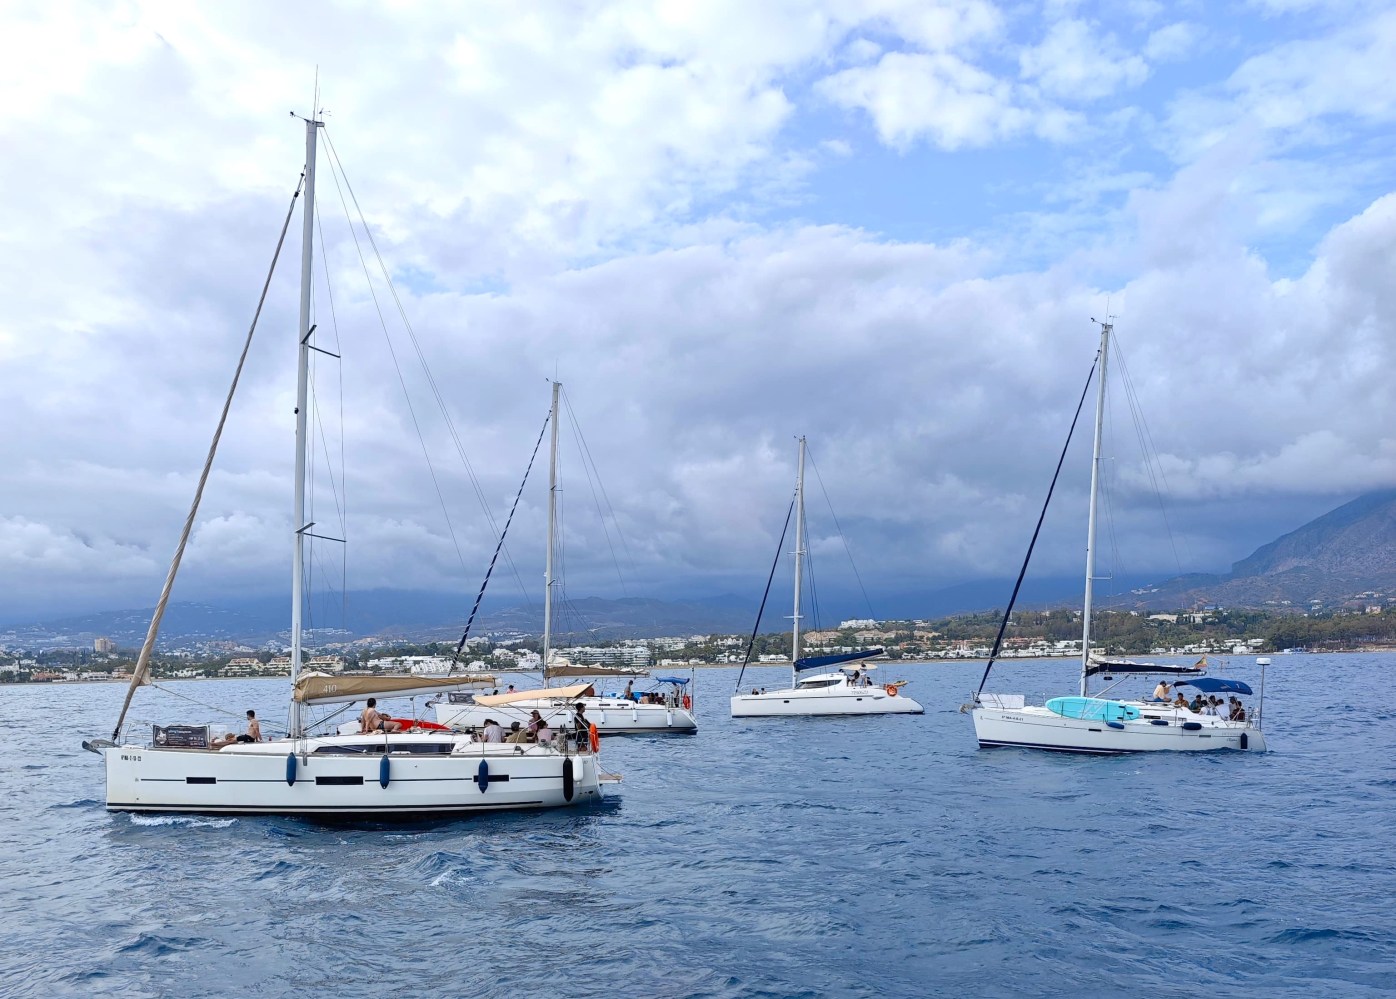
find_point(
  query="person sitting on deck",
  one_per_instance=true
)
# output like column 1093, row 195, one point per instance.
column 1238, row 710
column 388, row 725
column 543, row 733
column 494, row 732
column 516, row 733
column 254, row 730
column 629, row 694
column 1196, row 704
column 1163, row 692
column 1180, row 701
column 370, row 720
column 227, row 739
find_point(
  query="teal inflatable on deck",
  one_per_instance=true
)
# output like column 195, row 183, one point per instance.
column 1092, row 709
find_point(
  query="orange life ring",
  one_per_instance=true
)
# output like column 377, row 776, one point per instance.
column 687, row 703
column 891, row 689
column 595, row 738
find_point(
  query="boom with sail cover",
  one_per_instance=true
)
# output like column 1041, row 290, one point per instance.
column 819, row 662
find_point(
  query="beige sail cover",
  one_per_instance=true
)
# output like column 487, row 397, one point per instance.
column 575, row 690
column 326, row 688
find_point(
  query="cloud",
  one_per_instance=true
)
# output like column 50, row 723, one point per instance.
column 666, row 207
column 1075, row 63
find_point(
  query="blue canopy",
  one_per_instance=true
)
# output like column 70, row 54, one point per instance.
column 1216, row 685
column 819, row 662
column 671, row 679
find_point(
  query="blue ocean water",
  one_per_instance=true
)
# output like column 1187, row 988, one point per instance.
column 795, row 857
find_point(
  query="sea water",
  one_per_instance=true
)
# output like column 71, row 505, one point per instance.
column 883, row 856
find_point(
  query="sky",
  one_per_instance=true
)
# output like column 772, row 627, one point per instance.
column 884, row 225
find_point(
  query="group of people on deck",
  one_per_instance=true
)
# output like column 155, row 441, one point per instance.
column 1201, row 704
column 537, row 730
column 648, row 697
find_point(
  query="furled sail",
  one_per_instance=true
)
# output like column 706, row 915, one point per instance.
column 819, row 662
column 560, row 693
column 1096, row 667
column 326, row 688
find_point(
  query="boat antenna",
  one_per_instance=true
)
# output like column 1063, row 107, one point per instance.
column 138, row 674
column 1003, row 624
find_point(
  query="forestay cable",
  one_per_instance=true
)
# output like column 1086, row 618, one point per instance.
column 1003, row 625
column 762, row 610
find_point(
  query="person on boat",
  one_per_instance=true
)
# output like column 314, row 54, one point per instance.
column 227, row 739
column 387, row 724
column 254, row 728
column 581, row 724
column 534, row 721
column 1181, row 700
column 543, row 733
column 1195, row 705
column 1163, row 692
column 517, row 733
column 510, row 690
column 370, row 720
column 1238, row 710
column 629, row 694
column 494, row 732
column 853, row 680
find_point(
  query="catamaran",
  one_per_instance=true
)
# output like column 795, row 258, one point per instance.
column 847, row 690
column 1099, row 723
column 417, row 772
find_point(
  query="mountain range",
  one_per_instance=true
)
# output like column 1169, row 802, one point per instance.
column 1331, row 561
column 1347, row 557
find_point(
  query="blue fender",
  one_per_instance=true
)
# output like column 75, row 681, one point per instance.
column 290, row 769
column 482, row 777
column 383, row 769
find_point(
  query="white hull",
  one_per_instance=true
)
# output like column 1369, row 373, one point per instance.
column 610, row 715
column 1035, row 727
column 825, row 701
column 344, row 778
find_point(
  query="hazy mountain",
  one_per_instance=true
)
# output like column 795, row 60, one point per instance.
column 1329, row 561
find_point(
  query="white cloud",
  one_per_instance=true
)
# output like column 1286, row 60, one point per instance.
column 1076, row 63
column 941, row 97
column 603, row 192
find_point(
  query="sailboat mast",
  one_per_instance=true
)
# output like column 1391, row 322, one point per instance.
column 799, row 553
column 302, row 379
column 552, row 534
column 1105, row 329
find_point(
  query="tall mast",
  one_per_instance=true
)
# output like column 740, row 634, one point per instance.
column 1105, row 329
column 302, row 379
column 552, row 534
column 799, row 552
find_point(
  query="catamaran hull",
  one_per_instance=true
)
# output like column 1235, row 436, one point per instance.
column 262, row 780
column 610, row 715
column 823, row 703
column 1038, row 728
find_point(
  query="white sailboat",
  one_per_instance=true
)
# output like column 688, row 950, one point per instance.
column 406, row 774
column 1082, row 723
column 669, row 709
column 848, row 690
